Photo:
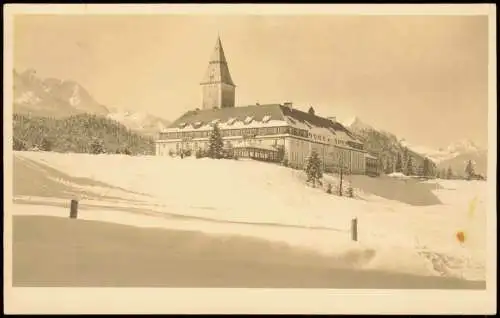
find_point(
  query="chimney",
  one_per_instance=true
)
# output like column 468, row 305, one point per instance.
column 287, row 104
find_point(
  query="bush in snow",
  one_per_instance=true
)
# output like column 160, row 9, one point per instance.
column 46, row 144
column 171, row 153
column 96, row 147
column 18, row 144
column 329, row 188
column 284, row 162
column 313, row 168
column 350, row 192
column 198, row 154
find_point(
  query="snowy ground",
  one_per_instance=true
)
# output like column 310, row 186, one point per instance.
column 404, row 225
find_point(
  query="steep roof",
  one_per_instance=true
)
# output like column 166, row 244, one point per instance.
column 272, row 113
column 218, row 71
column 306, row 117
column 257, row 112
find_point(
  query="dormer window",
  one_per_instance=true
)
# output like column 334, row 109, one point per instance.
column 214, row 122
column 231, row 121
column 197, row 124
column 266, row 119
column 248, row 120
column 182, row 125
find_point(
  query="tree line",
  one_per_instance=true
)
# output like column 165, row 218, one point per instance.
column 83, row 133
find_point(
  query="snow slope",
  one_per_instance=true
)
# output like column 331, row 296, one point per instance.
column 258, row 199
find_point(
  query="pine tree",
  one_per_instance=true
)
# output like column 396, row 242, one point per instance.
column 426, row 167
column 449, row 173
column 311, row 111
column 469, row 170
column 313, row 168
column 399, row 165
column 215, row 143
column 409, row 166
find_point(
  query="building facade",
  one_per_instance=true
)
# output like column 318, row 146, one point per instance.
column 273, row 132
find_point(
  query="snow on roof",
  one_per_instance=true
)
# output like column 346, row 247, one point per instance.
column 248, row 119
column 266, row 119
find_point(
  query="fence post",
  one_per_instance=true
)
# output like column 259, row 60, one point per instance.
column 73, row 213
column 354, row 229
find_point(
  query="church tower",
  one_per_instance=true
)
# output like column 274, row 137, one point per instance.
column 218, row 87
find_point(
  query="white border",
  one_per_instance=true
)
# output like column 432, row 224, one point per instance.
column 156, row 300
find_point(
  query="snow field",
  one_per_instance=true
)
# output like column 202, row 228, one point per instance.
column 392, row 235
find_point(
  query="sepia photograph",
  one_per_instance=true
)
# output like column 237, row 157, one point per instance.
column 197, row 147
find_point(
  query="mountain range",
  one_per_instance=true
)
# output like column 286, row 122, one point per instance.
column 56, row 98
column 454, row 156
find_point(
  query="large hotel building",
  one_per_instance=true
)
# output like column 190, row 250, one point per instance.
column 271, row 132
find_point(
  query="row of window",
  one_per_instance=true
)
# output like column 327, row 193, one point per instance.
column 228, row 133
column 245, row 132
column 204, row 144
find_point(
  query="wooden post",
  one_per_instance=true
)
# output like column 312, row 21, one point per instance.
column 354, row 229
column 73, row 213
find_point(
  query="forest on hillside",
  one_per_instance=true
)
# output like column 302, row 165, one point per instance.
column 83, row 133
column 393, row 156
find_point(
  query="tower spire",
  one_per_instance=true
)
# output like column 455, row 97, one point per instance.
column 218, row 86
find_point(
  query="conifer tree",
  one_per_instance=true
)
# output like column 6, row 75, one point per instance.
column 399, row 164
column 426, row 167
column 409, row 166
column 215, row 143
column 313, row 168
column 449, row 173
column 469, row 170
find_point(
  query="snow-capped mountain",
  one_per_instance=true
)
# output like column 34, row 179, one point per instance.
column 355, row 123
column 51, row 97
column 456, row 155
column 139, row 121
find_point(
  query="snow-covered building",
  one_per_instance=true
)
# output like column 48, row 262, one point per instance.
column 266, row 131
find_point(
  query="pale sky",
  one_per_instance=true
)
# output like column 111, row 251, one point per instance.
column 423, row 78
